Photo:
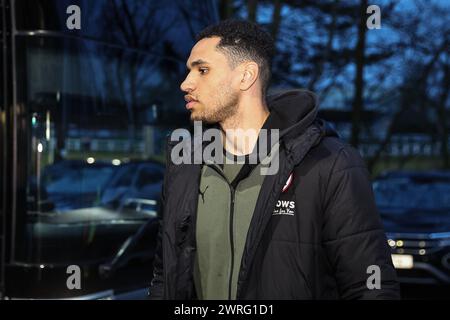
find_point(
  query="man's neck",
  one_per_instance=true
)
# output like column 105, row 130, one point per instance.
column 240, row 132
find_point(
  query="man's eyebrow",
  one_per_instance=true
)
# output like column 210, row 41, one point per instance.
column 196, row 63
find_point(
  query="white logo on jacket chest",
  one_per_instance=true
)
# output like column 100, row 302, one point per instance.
column 284, row 207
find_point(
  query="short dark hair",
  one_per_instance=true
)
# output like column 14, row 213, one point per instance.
column 242, row 41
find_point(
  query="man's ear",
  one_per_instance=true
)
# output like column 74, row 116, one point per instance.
column 249, row 75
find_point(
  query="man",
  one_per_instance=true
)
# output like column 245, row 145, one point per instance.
column 309, row 231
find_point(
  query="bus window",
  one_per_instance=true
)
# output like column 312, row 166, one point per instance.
column 95, row 106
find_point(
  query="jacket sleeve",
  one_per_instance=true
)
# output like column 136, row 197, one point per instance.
column 354, row 239
column 156, row 290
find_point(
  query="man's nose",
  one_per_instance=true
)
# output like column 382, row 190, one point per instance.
column 187, row 85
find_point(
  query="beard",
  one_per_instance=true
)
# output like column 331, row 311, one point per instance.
column 224, row 107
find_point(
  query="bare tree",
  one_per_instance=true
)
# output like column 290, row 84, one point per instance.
column 276, row 18
column 358, row 99
column 252, row 9
column 226, row 9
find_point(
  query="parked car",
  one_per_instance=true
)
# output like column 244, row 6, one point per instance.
column 415, row 209
column 134, row 185
column 76, row 184
column 102, row 217
column 73, row 184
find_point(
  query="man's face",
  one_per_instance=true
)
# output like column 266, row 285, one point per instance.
column 212, row 87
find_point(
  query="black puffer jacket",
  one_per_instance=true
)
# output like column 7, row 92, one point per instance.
column 322, row 251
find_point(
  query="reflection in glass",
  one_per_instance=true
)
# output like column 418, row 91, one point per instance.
column 97, row 120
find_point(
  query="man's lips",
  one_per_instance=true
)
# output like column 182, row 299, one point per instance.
column 190, row 102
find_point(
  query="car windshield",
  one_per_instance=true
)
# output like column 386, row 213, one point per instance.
column 409, row 193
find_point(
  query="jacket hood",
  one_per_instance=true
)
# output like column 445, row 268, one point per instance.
column 293, row 111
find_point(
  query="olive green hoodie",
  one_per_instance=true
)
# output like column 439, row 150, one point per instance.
column 224, row 211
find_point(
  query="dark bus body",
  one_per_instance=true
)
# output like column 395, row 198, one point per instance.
column 83, row 118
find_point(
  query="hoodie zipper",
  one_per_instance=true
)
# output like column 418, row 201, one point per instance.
column 231, row 241
column 232, row 199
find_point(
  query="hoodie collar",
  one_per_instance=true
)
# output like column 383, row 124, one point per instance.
column 291, row 112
